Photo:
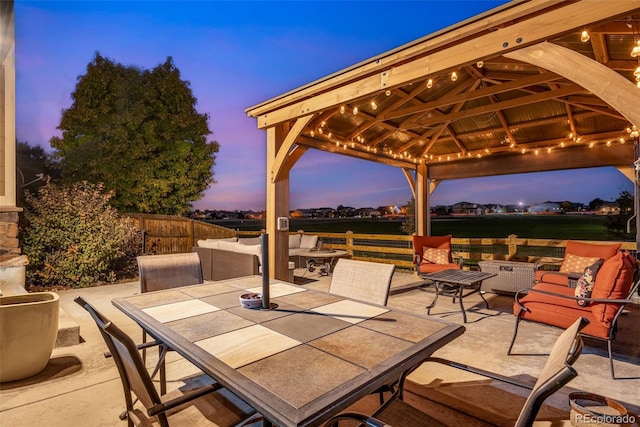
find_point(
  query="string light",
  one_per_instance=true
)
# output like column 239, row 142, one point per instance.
column 388, row 92
column 454, row 76
column 430, row 83
column 584, row 37
column 374, row 106
column 480, row 64
column 355, row 111
column 313, row 134
column 342, row 109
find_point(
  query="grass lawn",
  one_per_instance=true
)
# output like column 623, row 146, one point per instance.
column 578, row 227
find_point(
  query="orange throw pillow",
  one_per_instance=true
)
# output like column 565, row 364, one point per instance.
column 612, row 282
column 435, row 256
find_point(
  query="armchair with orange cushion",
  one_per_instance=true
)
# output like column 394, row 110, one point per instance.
column 433, row 253
column 602, row 294
column 577, row 257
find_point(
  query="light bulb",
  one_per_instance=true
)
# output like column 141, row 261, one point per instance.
column 387, row 92
column 454, row 76
column 584, row 37
column 638, row 84
column 635, row 52
column 342, row 109
column 637, row 71
column 374, row 106
column 480, row 64
column 430, row 83
column 313, row 134
column 355, row 110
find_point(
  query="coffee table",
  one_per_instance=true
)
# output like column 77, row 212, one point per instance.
column 322, row 260
column 456, row 281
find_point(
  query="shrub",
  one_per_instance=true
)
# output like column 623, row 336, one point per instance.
column 74, row 238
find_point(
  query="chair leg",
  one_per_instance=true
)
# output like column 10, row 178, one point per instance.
column 515, row 333
column 613, row 374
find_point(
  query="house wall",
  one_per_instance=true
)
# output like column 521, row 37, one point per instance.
column 9, row 213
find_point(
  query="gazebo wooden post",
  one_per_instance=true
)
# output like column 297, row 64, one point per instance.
column 282, row 154
column 423, row 217
column 277, row 206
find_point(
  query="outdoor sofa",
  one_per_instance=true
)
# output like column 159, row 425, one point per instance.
column 236, row 257
column 609, row 279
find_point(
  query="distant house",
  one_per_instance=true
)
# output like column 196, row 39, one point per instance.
column 368, row 213
column 467, row 208
column 546, row 207
column 302, row 213
column 609, row 208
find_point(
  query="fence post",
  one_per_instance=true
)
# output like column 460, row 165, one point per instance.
column 513, row 246
column 349, row 242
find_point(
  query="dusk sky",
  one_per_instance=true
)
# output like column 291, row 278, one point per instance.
column 238, row 54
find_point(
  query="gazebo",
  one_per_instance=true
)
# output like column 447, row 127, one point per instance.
column 533, row 85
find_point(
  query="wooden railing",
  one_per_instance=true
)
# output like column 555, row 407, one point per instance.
column 169, row 234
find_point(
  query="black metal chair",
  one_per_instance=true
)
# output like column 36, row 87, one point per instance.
column 167, row 271
column 210, row 405
column 556, row 373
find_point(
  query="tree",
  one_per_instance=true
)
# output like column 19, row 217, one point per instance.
column 137, row 132
column 617, row 224
column 409, row 224
column 32, row 165
column 596, row 204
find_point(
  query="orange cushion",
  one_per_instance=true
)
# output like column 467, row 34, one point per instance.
column 557, row 311
column 438, row 242
column 603, row 251
column 553, row 277
column 613, row 281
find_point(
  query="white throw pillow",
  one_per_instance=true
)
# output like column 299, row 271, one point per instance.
column 308, row 241
column 209, row 243
column 229, row 246
column 294, row 240
column 250, row 240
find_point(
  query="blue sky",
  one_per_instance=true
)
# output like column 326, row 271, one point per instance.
column 238, row 54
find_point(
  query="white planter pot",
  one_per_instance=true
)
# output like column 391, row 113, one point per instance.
column 28, row 330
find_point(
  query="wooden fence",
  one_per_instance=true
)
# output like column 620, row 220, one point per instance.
column 169, row 234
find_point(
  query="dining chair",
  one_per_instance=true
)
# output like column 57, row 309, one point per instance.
column 557, row 372
column 210, row 405
column 167, row 271
column 362, row 280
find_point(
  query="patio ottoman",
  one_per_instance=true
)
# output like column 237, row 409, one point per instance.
column 510, row 276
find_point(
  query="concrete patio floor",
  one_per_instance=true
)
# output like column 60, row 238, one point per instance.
column 80, row 387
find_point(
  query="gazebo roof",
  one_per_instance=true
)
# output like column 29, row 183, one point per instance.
column 504, row 110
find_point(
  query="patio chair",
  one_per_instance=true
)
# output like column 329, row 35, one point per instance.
column 167, row 271
column 362, row 280
column 556, row 373
column 206, row 405
column 557, row 305
column 433, row 253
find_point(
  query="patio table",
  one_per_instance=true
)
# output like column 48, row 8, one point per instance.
column 298, row 364
column 320, row 259
column 458, row 280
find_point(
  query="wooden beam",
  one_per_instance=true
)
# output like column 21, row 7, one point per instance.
column 569, row 158
column 364, row 155
column 283, row 150
column 603, row 82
